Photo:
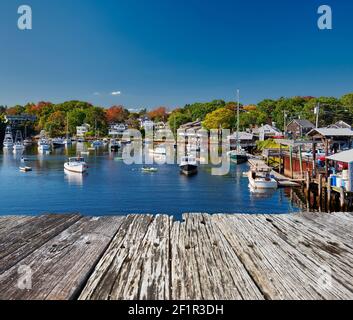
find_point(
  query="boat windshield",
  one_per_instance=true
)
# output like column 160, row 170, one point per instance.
column 77, row 159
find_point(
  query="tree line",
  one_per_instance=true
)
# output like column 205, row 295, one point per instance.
column 57, row 119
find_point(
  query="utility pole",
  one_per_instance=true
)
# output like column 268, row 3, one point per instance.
column 317, row 110
column 284, row 122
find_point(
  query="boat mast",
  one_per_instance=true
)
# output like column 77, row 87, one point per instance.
column 67, row 126
column 238, row 119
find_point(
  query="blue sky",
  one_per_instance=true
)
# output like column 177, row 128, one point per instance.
column 163, row 52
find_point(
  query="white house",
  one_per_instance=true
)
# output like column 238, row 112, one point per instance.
column 147, row 124
column 82, row 130
column 117, row 129
column 267, row 131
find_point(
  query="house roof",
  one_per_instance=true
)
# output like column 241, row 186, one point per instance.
column 242, row 136
column 331, row 132
column 340, row 124
column 345, row 156
column 304, row 123
column 266, row 127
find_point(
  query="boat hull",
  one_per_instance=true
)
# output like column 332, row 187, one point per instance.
column 76, row 169
column 114, row 148
column 188, row 170
column 262, row 184
column 239, row 159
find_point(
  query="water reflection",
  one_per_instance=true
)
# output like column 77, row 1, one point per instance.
column 73, row 178
column 125, row 189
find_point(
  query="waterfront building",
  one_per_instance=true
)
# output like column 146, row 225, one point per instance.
column 81, row 131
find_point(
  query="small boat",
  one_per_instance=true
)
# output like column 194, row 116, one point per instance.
column 97, row 144
column 114, row 145
column 238, row 156
column 261, row 178
column 18, row 146
column 43, row 143
column 58, row 143
column 27, row 142
column 8, row 140
column 77, row 165
column 25, row 169
column 149, row 170
column 188, row 165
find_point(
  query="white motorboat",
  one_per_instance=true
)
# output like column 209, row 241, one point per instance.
column 18, row 146
column 27, row 141
column 77, row 165
column 43, row 143
column 261, row 178
column 188, row 165
column 58, row 143
column 8, row 140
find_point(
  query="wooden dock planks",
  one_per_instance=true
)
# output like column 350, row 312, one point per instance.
column 235, row 257
column 60, row 266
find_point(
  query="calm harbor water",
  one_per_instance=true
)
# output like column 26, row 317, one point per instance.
column 111, row 187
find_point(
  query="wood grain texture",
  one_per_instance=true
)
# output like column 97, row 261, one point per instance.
column 145, row 257
column 60, row 267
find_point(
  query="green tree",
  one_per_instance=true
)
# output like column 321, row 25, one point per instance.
column 55, row 124
column 76, row 117
column 221, row 118
column 252, row 118
column 177, row 119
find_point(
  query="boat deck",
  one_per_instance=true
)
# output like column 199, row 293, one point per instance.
column 281, row 179
column 304, row 256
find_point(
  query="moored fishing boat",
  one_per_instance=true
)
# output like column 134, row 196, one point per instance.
column 114, row 145
column 18, row 146
column 43, row 143
column 238, row 156
column 8, row 140
column 77, row 165
column 261, row 178
column 188, row 165
column 58, row 143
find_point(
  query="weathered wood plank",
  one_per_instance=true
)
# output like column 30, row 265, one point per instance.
column 114, row 267
column 20, row 240
column 61, row 266
column 326, row 249
column 219, row 273
column 280, row 270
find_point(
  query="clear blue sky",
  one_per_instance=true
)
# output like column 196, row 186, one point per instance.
column 163, row 52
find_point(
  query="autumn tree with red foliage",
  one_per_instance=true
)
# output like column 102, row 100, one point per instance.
column 117, row 114
column 158, row 114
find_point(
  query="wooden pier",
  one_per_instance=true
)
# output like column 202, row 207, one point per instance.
column 303, row 256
